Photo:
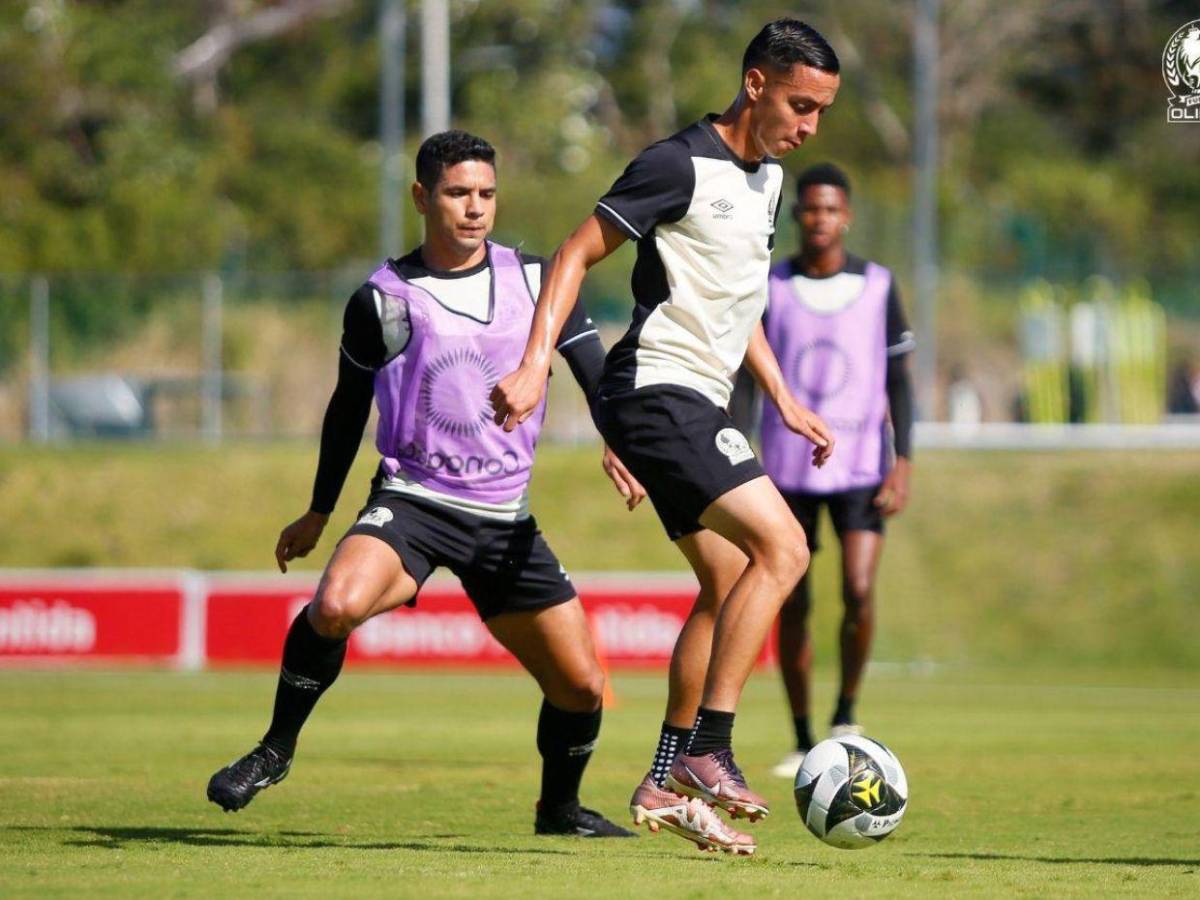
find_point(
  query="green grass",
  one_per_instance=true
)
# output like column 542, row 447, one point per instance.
column 1044, row 783
column 1087, row 558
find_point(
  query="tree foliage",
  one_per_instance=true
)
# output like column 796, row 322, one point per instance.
column 140, row 136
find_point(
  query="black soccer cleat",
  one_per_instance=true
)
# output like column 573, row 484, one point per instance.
column 578, row 821
column 234, row 786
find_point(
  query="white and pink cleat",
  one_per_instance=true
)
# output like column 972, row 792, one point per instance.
column 690, row 818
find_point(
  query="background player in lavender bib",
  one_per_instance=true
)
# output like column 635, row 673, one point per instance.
column 838, row 329
column 427, row 337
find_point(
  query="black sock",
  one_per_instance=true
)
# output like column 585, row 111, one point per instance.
column 804, row 738
column 844, row 714
column 671, row 741
column 311, row 663
column 565, row 740
column 713, row 731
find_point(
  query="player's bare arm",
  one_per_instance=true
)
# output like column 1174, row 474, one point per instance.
column 893, row 493
column 518, row 394
column 299, row 538
column 761, row 362
column 628, row 486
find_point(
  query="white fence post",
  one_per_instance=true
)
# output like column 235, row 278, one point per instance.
column 193, row 586
column 213, row 373
column 39, row 360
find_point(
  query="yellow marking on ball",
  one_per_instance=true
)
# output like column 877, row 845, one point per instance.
column 866, row 790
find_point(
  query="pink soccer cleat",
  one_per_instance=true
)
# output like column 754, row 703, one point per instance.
column 716, row 779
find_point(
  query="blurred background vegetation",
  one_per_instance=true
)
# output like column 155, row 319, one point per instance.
column 1055, row 160
column 140, row 140
column 114, row 158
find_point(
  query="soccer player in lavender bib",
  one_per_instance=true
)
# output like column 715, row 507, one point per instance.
column 702, row 206
column 837, row 327
column 427, row 337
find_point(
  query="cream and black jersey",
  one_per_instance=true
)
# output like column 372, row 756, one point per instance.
column 704, row 221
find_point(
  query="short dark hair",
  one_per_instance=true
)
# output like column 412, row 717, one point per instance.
column 783, row 43
column 449, row 148
column 822, row 173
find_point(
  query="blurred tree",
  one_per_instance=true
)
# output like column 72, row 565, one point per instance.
column 142, row 136
column 234, row 25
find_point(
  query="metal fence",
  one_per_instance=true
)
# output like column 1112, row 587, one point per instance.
column 184, row 357
column 211, row 357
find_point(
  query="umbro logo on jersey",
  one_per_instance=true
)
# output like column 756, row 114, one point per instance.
column 722, row 208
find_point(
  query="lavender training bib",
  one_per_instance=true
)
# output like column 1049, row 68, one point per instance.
column 435, row 415
column 836, row 365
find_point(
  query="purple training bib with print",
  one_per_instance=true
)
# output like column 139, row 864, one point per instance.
column 435, row 412
column 835, row 364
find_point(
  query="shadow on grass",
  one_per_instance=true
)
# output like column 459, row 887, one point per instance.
column 117, row 838
column 1067, row 860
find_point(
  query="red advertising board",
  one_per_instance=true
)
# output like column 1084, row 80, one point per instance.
column 247, row 622
column 634, row 623
column 43, row 618
column 192, row 619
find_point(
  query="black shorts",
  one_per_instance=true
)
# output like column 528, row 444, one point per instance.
column 681, row 446
column 852, row 510
column 503, row 566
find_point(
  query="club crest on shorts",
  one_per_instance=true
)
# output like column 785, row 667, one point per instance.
column 733, row 444
column 379, row 516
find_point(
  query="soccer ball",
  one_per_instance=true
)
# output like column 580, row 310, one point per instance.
column 851, row 792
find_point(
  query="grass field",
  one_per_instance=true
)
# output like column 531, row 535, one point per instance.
column 1039, row 678
column 1046, row 783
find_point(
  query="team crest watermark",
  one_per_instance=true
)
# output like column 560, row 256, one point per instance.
column 1181, row 72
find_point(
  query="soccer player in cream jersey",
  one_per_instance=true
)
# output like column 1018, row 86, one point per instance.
column 427, row 336
column 702, row 206
column 838, row 329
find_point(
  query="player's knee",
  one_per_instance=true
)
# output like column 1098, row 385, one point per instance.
column 787, row 559
column 336, row 612
column 591, row 688
column 331, row 619
column 799, row 556
column 584, row 691
column 857, row 596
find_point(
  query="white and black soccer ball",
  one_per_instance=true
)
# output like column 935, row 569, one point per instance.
column 851, row 792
